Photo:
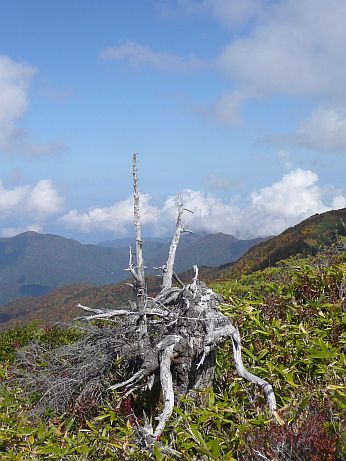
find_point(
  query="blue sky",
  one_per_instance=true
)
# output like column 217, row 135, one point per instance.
column 241, row 106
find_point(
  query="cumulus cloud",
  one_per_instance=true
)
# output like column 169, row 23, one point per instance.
column 295, row 48
column 286, row 202
column 15, row 81
column 267, row 211
column 38, row 201
column 115, row 218
column 139, row 56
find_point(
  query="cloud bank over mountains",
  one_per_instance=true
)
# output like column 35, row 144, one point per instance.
column 267, row 211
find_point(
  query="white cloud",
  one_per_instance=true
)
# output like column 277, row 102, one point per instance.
column 339, row 201
column 15, row 81
column 37, row 201
column 286, row 202
column 289, row 48
column 12, row 231
column 117, row 217
column 44, row 200
column 210, row 214
column 324, row 130
column 138, row 56
column 268, row 211
column 294, row 48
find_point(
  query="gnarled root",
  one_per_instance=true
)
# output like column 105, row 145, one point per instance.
column 267, row 388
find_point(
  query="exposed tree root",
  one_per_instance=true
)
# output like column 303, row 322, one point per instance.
column 185, row 327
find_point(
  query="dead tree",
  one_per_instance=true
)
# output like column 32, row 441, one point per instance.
column 168, row 341
column 179, row 331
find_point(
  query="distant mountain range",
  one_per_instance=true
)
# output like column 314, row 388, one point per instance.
column 202, row 249
column 33, row 264
column 305, row 238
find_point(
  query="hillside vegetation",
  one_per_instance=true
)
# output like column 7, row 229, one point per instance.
column 290, row 318
column 306, row 238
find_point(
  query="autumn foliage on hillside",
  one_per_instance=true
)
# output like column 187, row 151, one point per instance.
column 291, row 321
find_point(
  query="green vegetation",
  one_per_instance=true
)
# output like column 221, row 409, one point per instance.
column 306, row 238
column 290, row 318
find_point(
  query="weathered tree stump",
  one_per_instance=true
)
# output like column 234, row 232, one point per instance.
column 168, row 341
column 179, row 331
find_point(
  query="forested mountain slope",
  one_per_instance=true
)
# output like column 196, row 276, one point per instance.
column 306, row 238
column 33, row 264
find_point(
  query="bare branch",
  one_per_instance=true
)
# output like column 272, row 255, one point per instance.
column 168, row 274
column 90, row 309
column 131, row 267
column 137, row 223
column 140, row 278
column 193, row 286
column 178, row 279
column 134, row 379
column 108, row 315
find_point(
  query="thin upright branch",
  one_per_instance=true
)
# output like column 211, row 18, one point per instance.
column 169, row 270
column 137, row 223
column 140, row 278
column 131, row 267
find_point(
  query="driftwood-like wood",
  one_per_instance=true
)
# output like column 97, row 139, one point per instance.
column 183, row 328
column 169, row 267
column 169, row 340
column 140, row 276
